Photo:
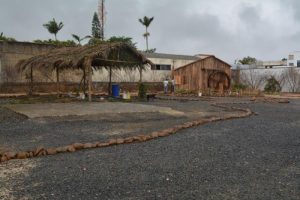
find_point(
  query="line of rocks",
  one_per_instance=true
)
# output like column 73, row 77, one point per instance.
column 40, row 151
column 252, row 100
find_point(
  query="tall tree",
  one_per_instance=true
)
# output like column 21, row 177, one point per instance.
column 53, row 27
column 96, row 27
column 146, row 22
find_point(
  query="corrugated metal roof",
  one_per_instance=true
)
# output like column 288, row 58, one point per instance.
column 169, row 56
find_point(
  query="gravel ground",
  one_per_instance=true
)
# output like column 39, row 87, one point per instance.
column 18, row 133
column 251, row 158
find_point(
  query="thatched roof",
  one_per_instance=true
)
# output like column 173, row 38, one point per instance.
column 116, row 55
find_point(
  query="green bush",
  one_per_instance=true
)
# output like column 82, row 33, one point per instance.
column 272, row 85
column 239, row 86
column 142, row 91
column 56, row 42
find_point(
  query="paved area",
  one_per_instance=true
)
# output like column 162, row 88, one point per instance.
column 81, row 109
column 251, row 158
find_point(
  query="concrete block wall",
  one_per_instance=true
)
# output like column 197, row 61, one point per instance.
column 12, row 52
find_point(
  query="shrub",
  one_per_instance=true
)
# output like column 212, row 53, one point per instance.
column 142, row 91
column 272, row 85
column 239, row 86
column 56, row 42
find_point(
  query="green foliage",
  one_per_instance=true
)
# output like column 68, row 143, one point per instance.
column 151, row 50
column 53, row 27
column 142, row 91
column 248, row 61
column 238, row 87
column 7, row 39
column 184, row 92
column 127, row 40
column 79, row 39
column 146, row 21
column 56, row 42
column 95, row 41
column 96, row 28
column 272, row 85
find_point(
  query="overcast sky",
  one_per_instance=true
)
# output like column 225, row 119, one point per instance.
column 230, row 29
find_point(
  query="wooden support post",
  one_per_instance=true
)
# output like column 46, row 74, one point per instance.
column 57, row 82
column 90, row 81
column 109, row 84
column 31, row 81
column 84, row 80
column 141, row 75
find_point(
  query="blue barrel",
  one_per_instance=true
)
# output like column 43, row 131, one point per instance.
column 115, row 90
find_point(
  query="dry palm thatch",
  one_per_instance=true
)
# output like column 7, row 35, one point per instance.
column 104, row 55
column 115, row 55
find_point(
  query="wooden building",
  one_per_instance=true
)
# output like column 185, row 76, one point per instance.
column 205, row 73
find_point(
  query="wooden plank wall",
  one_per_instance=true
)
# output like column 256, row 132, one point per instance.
column 194, row 77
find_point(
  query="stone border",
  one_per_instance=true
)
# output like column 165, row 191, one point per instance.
column 40, row 151
column 251, row 100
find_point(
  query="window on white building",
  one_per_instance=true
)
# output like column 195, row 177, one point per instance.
column 161, row 67
column 291, row 57
column 291, row 64
column 298, row 63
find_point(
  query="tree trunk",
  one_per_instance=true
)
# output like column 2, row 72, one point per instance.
column 109, row 84
column 57, row 82
column 147, row 39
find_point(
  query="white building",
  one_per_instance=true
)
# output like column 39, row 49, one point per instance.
column 294, row 59
column 162, row 69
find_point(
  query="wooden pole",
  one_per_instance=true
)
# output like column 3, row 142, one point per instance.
column 57, row 82
column 109, row 84
column 141, row 75
column 84, row 81
column 90, row 80
column 31, row 81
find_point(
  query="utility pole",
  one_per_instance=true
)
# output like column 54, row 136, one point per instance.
column 102, row 13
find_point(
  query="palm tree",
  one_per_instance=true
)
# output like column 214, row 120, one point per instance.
column 53, row 27
column 79, row 39
column 146, row 22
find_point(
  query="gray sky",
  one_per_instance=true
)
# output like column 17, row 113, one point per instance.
column 230, row 29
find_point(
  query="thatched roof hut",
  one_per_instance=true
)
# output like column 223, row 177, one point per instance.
column 107, row 55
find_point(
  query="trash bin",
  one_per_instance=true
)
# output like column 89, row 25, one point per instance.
column 115, row 90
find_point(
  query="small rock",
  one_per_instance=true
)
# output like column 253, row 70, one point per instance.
column 128, row 140
column 37, row 151
column 51, row 151
column 106, row 144
column 70, row 148
column 87, row 145
column 112, row 142
column 120, row 141
column 22, row 155
column 78, row 146
column 61, row 149
column 10, row 155
column 154, row 134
